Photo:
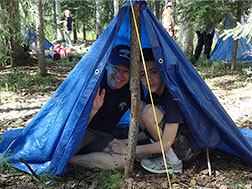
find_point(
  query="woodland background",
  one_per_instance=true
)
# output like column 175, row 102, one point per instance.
column 26, row 84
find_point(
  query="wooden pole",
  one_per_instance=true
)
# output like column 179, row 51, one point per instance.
column 135, row 91
column 208, row 162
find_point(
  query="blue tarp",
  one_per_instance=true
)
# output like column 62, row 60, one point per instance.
column 29, row 36
column 223, row 50
column 54, row 134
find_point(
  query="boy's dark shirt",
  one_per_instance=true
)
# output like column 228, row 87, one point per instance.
column 168, row 105
column 173, row 115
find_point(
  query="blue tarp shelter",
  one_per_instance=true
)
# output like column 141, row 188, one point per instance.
column 54, row 134
column 29, row 36
column 224, row 48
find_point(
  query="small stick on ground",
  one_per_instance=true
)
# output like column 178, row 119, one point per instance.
column 28, row 166
column 208, row 162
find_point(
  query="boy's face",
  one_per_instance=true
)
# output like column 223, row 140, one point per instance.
column 117, row 76
column 155, row 80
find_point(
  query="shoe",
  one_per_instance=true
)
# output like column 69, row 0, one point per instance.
column 156, row 165
column 139, row 157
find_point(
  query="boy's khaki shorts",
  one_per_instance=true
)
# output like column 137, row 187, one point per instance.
column 94, row 141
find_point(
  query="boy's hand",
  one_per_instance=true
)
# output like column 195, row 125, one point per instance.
column 118, row 147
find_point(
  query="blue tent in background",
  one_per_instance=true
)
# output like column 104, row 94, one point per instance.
column 224, row 48
column 54, row 134
column 47, row 44
column 29, row 36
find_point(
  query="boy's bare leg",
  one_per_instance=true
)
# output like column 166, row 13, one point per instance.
column 102, row 160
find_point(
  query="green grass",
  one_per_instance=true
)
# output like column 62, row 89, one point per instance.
column 4, row 165
column 17, row 81
column 235, row 182
column 112, row 179
column 218, row 68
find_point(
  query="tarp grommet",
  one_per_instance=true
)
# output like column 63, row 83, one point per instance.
column 97, row 71
column 160, row 60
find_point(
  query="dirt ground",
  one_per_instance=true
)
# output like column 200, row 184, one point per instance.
column 228, row 171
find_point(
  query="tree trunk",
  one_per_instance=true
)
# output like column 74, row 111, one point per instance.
column 84, row 32
column 186, row 36
column 116, row 7
column 157, row 9
column 40, row 40
column 59, row 33
column 11, row 23
column 234, row 53
column 98, row 21
column 75, row 33
column 135, row 92
column 55, row 20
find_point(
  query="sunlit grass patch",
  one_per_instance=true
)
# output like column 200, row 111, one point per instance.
column 18, row 81
column 102, row 179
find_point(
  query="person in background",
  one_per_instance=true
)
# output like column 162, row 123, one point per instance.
column 205, row 39
column 68, row 28
column 168, row 20
column 245, row 17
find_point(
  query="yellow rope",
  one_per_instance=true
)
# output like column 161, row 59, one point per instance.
column 152, row 103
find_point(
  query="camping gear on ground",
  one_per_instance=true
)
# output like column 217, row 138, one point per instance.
column 29, row 36
column 60, row 50
column 54, row 134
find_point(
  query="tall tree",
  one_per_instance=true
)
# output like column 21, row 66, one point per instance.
column 234, row 54
column 98, row 19
column 244, row 29
column 59, row 33
column 10, row 40
column 40, row 40
column 197, row 14
column 186, row 35
column 116, row 7
column 157, row 9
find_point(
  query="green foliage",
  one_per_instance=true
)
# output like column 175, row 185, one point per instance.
column 104, row 178
column 235, row 182
column 199, row 13
column 203, row 64
column 247, row 72
column 241, row 30
column 4, row 36
column 45, row 179
column 113, row 180
column 83, row 13
column 17, row 81
column 213, row 68
column 10, row 40
column 4, row 165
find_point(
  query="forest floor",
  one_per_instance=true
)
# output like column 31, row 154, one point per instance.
column 22, row 94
